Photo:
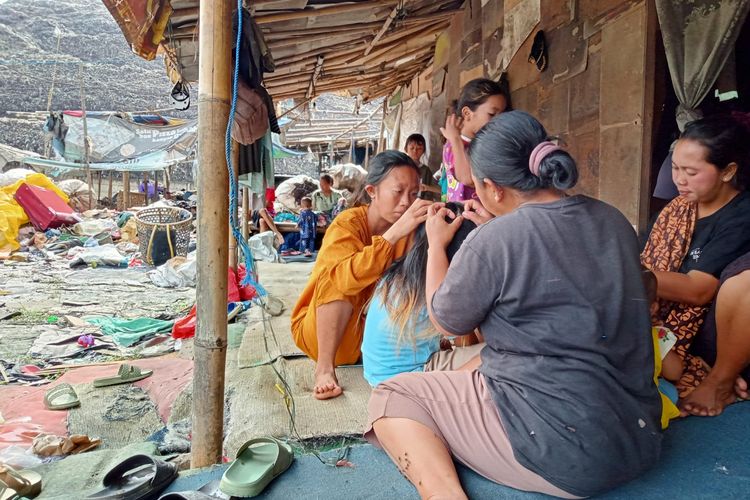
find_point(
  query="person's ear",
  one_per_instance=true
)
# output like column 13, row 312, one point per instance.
column 498, row 193
column 465, row 113
column 370, row 190
column 729, row 172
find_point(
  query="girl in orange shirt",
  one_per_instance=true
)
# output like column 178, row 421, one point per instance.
column 358, row 247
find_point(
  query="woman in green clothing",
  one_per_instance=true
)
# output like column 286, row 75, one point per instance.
column 325, row 199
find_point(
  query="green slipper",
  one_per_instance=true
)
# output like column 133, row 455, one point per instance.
column 126, row 374
column 22, row 483
column 258, row 462
column 8, row 493
column 61, row 397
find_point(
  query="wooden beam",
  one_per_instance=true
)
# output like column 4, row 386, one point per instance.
column 384, row 28
column 355, row 127
column 334, row 39
column 214, row 70
column 274, row 34
column 125, row 190
column 314, row 77
column 446, row 14
column 323, row 11
column 186, row 12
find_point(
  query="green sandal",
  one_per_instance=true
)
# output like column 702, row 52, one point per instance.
column 126, row 374
column 258, row 462
column 8, row 493
column 61, row 397
column 17, row 484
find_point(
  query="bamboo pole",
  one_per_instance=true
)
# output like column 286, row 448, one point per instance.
column 89, row 179
column 314, row 77
column 236, row 168
column 125, row 190
column 245, row 225
column 167, row 180
column 99, row 187
column 381, row 135
column 156, row 185
column 384, row 28
column 47, row 139
column 214, row 69
column 109, row 188
column 144, row 181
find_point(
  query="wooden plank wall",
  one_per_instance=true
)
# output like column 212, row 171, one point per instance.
column 594, row 94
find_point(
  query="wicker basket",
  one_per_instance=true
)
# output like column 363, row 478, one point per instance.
column 164, row 232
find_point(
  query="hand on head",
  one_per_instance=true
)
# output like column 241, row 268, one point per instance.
column 452, row 129
column 407, row 223
column 476, row 213
column 440, row 231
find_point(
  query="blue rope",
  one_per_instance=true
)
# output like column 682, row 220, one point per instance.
column 251, row 271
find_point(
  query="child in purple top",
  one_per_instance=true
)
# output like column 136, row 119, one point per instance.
column 480, row 100
column 307, row 226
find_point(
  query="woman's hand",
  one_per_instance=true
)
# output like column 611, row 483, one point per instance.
column 476, row 213
column 439, row 232
column 407, row 223
column 452, row 129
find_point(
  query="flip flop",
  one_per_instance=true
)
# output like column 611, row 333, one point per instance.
column 61, row 397
column 139, row 477
column 126, row 374
column 23, row 483
column 8, row 493
column 186, row 495
column 258, row 462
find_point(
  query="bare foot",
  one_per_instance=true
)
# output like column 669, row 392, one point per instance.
column 326, row 385
column 740, row 388
column 709, row 399
column 279, row 239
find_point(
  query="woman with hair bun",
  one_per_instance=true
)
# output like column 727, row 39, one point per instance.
column 564, row 401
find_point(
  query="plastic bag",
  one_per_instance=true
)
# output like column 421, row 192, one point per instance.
column 81, row 196
column 261, row 245
column 12, row 216
column 289, row 192
column 185, row 327
column 348, row 176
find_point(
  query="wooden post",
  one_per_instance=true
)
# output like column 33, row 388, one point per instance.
column 89, row 180
column 381, row 136
column 99, row 187
column 245, row 225
column 109, row 188
column 125, row 190
column 156, row 185
column 232, row 242
column 166, row 183
column 214, row 69
column 367, row 155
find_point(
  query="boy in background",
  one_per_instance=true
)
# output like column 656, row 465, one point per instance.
column 307, row 226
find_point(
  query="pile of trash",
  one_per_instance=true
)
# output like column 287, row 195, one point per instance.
column 41, row 220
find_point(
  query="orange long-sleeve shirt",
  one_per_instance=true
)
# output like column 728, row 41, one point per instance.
column 348, row 266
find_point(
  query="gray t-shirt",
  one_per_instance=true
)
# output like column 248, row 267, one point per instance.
column 556, row 291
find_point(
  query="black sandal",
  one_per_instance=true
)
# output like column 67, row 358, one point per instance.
column 139, row 477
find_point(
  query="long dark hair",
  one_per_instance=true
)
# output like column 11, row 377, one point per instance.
column 500, row 152
column 726, row 141
column 476, row 92
column 379, row 168
column 402, row 287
